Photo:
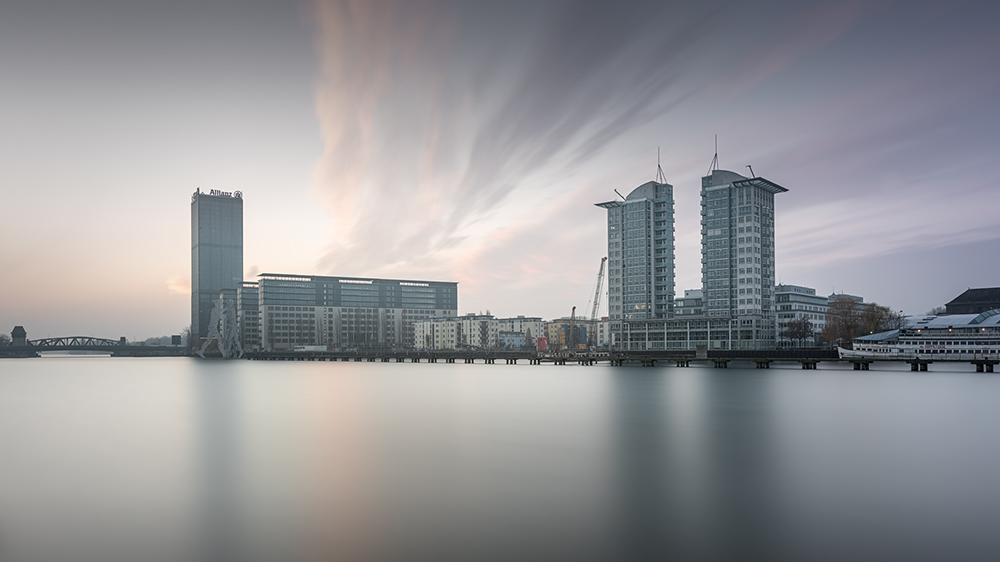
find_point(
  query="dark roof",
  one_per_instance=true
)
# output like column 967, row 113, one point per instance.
column 987, row 295
column 18, row 332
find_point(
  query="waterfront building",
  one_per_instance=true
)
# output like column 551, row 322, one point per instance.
column 348, row 312
column 737, row 255
column 18, row 336
column 216, row 254
column 533, row 327
column 512, row 340
column 478, row 331
column 974, row 301
column 860, row 303
column 248, row 314
column 691, row 304
column 737, row 309
column 640, row 255
column 557, row 333
column 437, row 334
column 960, row 337
column 794, row 301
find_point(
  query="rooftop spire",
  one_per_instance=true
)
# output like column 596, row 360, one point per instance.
column 660, row 176
column 715, row 160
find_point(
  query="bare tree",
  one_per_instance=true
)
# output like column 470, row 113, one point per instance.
column 799, row 330
column 877, row 318
column 186, row 337
column 843, row 322
column 4, row 339
column 937, row 311
column 847, row 319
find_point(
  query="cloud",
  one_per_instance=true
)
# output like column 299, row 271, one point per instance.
column 178, row 285
column 440, row 132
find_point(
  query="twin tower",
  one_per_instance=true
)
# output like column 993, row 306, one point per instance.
column 737, row 267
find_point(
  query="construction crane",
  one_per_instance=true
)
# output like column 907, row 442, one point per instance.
column 597, row 304
column 572, row 326
column 597, row 291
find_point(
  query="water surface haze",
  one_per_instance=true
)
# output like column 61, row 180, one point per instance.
column 179, row 459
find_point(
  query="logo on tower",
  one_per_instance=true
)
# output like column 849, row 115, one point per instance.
column 238, row 194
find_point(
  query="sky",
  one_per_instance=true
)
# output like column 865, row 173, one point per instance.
column 469, row 141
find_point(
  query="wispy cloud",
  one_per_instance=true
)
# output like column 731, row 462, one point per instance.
column 440, row 133
column 178, row 285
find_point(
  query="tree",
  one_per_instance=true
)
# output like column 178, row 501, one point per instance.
column 186, row 337
column 843, row 322
column 4, row 339
column 877, row 318
column 937, row 311
column 798, row 329
column 847, row 319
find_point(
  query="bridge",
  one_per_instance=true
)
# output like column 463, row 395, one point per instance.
column 23, row 347
column 720, row 359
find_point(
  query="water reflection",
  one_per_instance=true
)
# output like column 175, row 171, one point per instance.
column 135, row 459
column 215, row 385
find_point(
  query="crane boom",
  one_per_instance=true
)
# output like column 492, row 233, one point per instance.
column 572, row 326
column 597, row 291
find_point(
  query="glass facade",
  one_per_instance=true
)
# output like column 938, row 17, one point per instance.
column 216, row 254
column 348, row 312
column 737, row 255
column 641, row 255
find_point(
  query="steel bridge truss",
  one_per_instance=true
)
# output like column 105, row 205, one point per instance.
column 74, row 342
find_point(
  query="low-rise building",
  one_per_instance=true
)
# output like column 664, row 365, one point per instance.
column 437, row 334
column 691, row 304
column 248, row 315
column 512, row 340
column 974, row 301
column 531, row 326
column 796, row 302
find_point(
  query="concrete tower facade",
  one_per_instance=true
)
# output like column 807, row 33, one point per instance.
column 737, row 255
column 640, row 256
column 216, row 254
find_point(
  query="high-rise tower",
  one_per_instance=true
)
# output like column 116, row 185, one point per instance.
column 737, row 255
column 216, row 254
column 640, row 256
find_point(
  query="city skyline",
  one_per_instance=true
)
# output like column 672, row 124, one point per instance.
column 468, row 143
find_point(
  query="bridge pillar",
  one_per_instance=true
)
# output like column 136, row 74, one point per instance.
column 914, row 366
column 400, row 359
column 980, row 368
column 857, row 366
column 415, row 360
column 989, row 368
column 923, row 366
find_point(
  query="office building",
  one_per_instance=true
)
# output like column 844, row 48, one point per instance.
column 794, row 302
column 248, row 313
column 640, row 255
column 216, row 254
column 348, row 312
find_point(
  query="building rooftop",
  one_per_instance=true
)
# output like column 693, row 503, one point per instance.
column 989, row 318
column 973, row 296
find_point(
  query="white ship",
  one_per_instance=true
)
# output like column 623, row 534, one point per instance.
column 958, row 337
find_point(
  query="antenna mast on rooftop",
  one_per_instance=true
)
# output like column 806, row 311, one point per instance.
column 715, row 160
column 660, row 176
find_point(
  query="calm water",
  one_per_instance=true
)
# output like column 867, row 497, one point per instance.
column 178, row 459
